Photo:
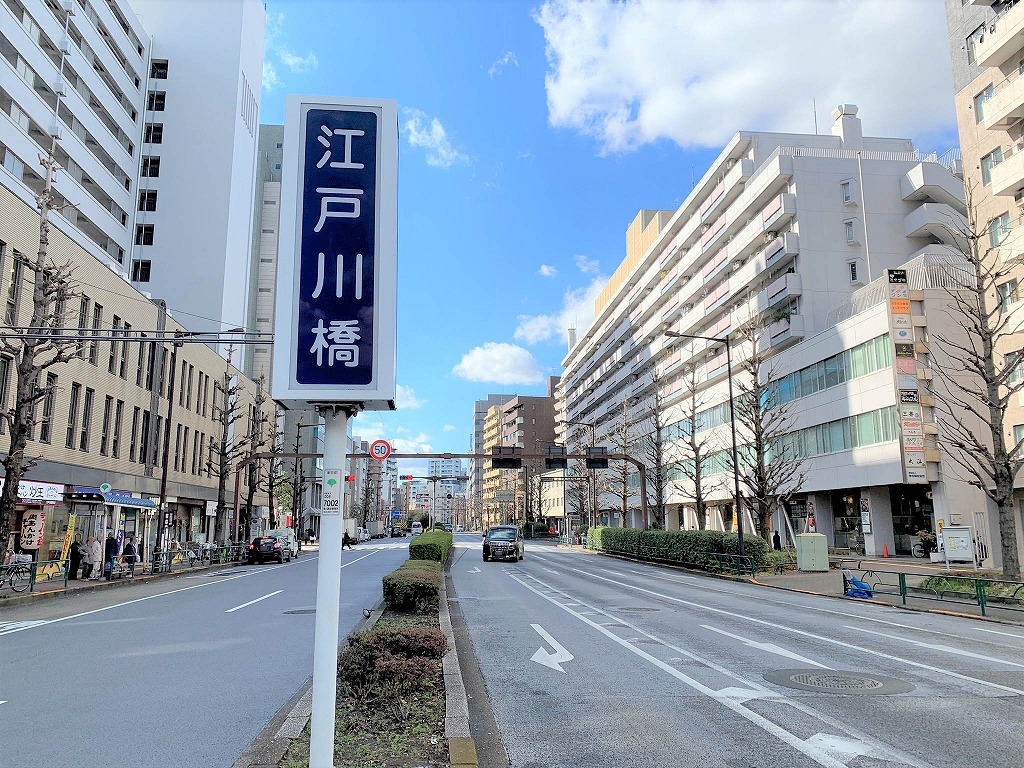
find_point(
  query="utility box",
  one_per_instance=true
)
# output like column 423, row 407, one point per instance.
column 811, row 552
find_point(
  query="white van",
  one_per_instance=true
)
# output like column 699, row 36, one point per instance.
column 417, row 528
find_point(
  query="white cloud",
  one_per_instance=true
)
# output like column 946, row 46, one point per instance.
column 499, row 363
column 585, row 265
column 546, row 270
column 695, row 72
column 449, row 428
column 526, row 154
column 270, row 78
column 376, row 430
column 273, row 26
column 501, row 62
column 406, row 398
column 426, row 132
column 577, row 310
column 296, row 63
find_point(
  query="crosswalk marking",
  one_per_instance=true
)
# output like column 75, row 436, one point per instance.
column 383, row 546
column 14, row 626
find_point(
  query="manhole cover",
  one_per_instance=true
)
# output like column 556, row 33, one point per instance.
column 837, row 681
column 635, row 609
column 300, row 611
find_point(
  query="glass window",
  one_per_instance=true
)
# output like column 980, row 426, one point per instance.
column 108, row 410
column 849, row 231
column 972, row 41
column 988, row 162
column 832, row 372
column 999, row 229
column 76, row 394
column 979, row 104
column 115, row 447
column 860, row 363
column 1018, row 437
column 1007, row 295
column 83, row 439
column 847, row 193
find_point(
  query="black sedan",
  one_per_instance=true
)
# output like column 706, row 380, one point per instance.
column 264, row 548
column 504, row 542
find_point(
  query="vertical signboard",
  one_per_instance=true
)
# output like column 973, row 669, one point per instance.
column 901, row 329
column 336, row 295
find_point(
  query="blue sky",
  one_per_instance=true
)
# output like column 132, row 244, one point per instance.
column 532, row 133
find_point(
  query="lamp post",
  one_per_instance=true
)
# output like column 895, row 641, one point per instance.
column 732, row 423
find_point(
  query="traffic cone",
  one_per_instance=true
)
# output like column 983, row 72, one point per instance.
column 885, row 550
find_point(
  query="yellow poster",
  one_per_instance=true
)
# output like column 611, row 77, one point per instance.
column 68, row 537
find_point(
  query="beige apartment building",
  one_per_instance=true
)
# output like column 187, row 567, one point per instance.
column 98, row 438
column 987, row 58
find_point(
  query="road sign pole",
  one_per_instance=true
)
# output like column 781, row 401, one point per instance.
column 328, row 592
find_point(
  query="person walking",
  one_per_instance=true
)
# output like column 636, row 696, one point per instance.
column 96, row 560
column 776, row 542
column 87, row 559
column 346, row 541
column 75, row 554
column 109, row 553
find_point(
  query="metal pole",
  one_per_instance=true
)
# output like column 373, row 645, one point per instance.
column 864, row 215
column 328, row 597
column 735, row 453
column 161, row 530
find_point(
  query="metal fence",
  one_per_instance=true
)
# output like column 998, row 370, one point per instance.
column 194, row 557
column 25, row 575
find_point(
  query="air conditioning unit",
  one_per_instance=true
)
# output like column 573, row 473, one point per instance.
column 704, row 228
column 730, row 163
column 770, row 235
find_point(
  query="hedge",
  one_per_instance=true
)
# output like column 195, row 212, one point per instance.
column 414, row 587
column 432, row 545
column 693, row 548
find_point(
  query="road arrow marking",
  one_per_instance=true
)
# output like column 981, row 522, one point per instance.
column 769, row 647
column 474, row 569
column 938, row 647
column 553, row 660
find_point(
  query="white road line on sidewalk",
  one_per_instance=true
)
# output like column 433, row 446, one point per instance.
column 244, row 605
column 760, row 689
column 937, row 647
column 831, row 641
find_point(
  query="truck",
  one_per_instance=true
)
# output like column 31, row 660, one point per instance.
column 376, row 529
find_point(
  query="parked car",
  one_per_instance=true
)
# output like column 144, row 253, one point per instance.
column 396, row 531
column 459, row 529
column 362, row 534
column 504, row 542
column 287, row 536
column 447, row 527
column 264, row 548
column 417, row 528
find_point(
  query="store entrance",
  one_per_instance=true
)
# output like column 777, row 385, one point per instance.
column 912, row 512
column 846, row 516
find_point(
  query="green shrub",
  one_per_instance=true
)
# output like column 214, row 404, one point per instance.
column 693, row 548
column 415, row 586
column 432, row 545
column 391, row 662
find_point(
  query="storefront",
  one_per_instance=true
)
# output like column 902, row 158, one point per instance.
column 41, row 515
column 102, row 510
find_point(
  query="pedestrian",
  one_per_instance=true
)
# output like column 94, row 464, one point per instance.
column 129, row 554
column 109, row 553
column 346, row 541
column 87, row 559
column 776, row 542
column 75, row 556
column 96, row 552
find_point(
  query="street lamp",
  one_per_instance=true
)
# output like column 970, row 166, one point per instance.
column 732, row 424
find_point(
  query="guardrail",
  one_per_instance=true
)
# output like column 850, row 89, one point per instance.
column 193, row 557
column 714, row 562
column 21, row 575
column 950, row 588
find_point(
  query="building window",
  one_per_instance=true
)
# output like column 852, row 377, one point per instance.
column 184, row 451
column 988, row 162
column 13, row 288
column 847, row 192
column 854, row 272
column 177, row 447
column 197, row 441
column 97, row 318
column 158, row 69
column 151, row 166
column 144, row 234
column 979, row 104
column 108, row 410
column 46, row 423
column 76, row 395
column 850, row 231
column 144, row 438
column 150, row 365
column 83, row 322
column 154, row 133
column 140, row 371
column 83, row 438
column 999, row 229
column 135, row 434
column 112, row 360
column 1007, row 295
column 147, row 200
column 156, row 101
column 181, row 384
column 115, row 446
column 122, row 370
column 5, row 374
column 188, row 389
column 141, row 270
column 972, row 41
column 1018, row 438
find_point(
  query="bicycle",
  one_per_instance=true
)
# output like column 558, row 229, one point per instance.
column 19, row 575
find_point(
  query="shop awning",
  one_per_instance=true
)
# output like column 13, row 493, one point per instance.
column 119, row 498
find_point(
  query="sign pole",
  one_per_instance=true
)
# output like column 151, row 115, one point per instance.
column 328, row 590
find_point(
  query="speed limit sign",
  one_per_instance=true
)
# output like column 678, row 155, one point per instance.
column 380, row 449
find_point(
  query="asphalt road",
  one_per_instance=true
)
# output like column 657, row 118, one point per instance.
column 593, row 661
column 176, row 672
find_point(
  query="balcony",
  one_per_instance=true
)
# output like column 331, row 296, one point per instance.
column 782, row 333
column 779, row 211
column 1003, row 39
column 1007, row 103
column 786, row 287
column 938, row 221
column 781, row 248
column 1008, row 177
column 929, row 182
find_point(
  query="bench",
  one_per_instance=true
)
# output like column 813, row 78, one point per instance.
column 120, row 570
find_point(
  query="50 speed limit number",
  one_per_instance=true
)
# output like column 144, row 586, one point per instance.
column 380, row 449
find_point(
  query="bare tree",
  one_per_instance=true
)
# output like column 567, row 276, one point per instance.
column 697, row 448
column 259, row 434
column 656, row 451
column 621, row 436
column 770, row 467
column 980, row 368
column 35, row 351
column 227, row 449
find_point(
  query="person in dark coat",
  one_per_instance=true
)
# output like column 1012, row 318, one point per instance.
column 75, row 554
column 776, row 542
column 346, row 541
column 129, row 554
column 109, row 553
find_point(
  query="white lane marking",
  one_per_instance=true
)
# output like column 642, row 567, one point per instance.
column 7, row 627
column 743, row 695
column 942, row 648
column 814, row 753
column 243, row 605
column 554, row 660
column 880, row 747
column 994, row 632
column 474, row 569
column 174, row 592
column 551, row 570
column 842, row 644
column 769, row 647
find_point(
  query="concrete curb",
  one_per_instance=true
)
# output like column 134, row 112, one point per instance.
column 461, row 747
column 269, row 746
column 6, row 602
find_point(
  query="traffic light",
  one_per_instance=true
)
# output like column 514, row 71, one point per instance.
column 405, row 477
column 599, row 461
column 555, row 458
column 350, row 478
column 506, row 458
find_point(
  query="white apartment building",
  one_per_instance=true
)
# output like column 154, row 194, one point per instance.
column 475, row 485
column 782, row 228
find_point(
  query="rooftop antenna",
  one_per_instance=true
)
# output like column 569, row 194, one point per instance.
column 814, row 104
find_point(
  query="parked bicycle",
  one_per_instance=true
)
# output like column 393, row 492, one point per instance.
column 18, row 575
column 927, row 544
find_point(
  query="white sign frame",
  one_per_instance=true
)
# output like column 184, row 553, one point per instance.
column 381, row 392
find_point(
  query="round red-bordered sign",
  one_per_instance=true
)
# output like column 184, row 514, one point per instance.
column 380, row 449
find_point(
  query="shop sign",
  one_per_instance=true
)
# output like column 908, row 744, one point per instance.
column 912, row 429
column 909, row 396
column 904, row 350
column 31, row 492
column 899, row 292
column 33, row 523
column 916, row 476
column 899, row 306
column 865, row 515
column 897, row 276
column 68, row 537
column 906, row 365
column 903, row 335
column 211, row 509
column 901, row 321
column 914, row 460
column 906, row 381
column 913, row 443
column 910, row 412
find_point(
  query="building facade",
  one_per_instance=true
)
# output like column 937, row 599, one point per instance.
column 474, row 489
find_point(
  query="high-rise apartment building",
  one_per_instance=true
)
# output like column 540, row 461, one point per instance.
column 781, row 230
column 476, row 466
column 987, row 54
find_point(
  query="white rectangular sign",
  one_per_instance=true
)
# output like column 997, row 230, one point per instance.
column 333, row 490
column 335, row 330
